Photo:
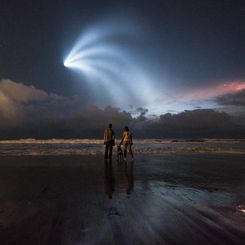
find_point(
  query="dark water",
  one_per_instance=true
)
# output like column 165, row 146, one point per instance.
column 173, row 199
column 96, row 147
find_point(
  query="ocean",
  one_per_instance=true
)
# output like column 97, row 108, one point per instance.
column 142, row 147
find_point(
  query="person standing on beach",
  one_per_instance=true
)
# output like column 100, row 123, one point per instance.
column 109, row 141
column 127, row 141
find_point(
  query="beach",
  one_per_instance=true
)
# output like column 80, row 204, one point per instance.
column 181, row 198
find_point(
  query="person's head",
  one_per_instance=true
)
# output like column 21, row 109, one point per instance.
column 126, row 128
column 110, row 125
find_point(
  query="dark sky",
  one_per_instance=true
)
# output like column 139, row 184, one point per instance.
column 186, row 54
column 192, row 41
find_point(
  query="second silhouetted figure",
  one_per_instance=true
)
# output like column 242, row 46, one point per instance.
column 127, row 141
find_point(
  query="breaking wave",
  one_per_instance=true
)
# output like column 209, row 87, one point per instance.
column 95, row 146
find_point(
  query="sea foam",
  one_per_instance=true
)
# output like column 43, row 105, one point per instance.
column 141, row 146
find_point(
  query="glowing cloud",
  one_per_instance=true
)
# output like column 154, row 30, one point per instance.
column 217, row 90
column 106, row 57
column 204, row 97
column 105, row 61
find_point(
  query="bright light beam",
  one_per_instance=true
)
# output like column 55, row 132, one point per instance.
column 98, row 55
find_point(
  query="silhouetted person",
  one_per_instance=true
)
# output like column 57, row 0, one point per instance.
column 127, row 141
column 109, row 140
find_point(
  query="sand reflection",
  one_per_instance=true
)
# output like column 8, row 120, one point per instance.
column 123, row 179
column 109, row 179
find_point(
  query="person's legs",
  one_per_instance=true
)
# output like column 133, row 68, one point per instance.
column 130, row 151
column 125, row 150
column 106, row 151
column 110, row 151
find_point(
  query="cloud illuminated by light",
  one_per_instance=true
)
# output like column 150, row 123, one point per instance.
column 115, row 73
column 216, row 90
column 189, row 99
column 104, row 61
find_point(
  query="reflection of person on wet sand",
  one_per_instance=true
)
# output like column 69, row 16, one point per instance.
column 109, row 180
column 127, row 141
column 129, row 177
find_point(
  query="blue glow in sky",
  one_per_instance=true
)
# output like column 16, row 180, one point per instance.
column 105, row 61
column 129, row 52
column 113, row 61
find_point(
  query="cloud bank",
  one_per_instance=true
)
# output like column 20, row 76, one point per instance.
column 235, row 99
column 27, row 112
column 21, row 104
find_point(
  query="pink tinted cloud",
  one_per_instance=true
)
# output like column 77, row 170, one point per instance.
column 212, row 92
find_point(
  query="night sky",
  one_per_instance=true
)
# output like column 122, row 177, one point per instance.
column 174, row 56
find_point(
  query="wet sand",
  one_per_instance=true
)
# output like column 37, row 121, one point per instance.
column 171, row 199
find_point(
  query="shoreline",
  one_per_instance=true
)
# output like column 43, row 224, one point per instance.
column 140, row 147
